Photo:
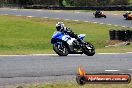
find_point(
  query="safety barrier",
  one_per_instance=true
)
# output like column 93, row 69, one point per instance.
column 123, row 35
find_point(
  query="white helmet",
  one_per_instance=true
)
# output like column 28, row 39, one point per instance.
column 60, row 26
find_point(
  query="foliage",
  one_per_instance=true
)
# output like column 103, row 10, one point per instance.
column 121, row 2
column 68, row 2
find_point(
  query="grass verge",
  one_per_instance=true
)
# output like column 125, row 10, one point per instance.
column 23, row 35
column 108, row 12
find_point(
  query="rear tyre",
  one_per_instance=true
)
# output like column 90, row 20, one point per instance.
column 61, row 51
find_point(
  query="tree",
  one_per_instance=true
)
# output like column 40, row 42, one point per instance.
column 120, row 2
column 61, row 3
column 68, row 2
column 104, row 2
column 85, row 2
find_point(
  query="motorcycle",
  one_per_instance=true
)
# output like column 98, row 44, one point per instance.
column 64, row 44
column 99, row 15
column 127, row 16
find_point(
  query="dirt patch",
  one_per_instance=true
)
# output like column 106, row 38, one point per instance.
column 117, row 43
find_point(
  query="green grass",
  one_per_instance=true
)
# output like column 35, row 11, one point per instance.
column 22, row 35
column 92, row 11
column 74, row 85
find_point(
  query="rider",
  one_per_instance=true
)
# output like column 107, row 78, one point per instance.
column 127, row 14
column 66, row 30
column 101, row 12
column 98, row 12
column 61, row 27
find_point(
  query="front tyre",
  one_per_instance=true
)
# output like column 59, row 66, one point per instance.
column 104, row 16
column 127, row 18
column 89, row 50
column 96, row 16
column 61, row 50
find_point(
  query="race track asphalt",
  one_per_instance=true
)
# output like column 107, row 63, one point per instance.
column 114, row 19
column 31, row 68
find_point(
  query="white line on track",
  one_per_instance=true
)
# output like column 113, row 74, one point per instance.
column 14, row 9
column 30, row 16
column 45, row 17
column 110, row 53
column 57, row 55
column 5, row 14
column 123, row 26
column 39, row 10
column 115, row 14
column 116, row 25
column 42, row 55
column 31, row 55
column 112, row 70
column 86, row 21
column 77, row 12
column 22, row 55
column 95, row 22
column 66, row 19
column 130, row 69
column 57, row 11
column 109, row 24
column 57, row 18
column 129, row 52
column 54, row 54
column 101, row 23
column 75, row 20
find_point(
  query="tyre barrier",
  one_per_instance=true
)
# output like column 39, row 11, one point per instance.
column 123, row 35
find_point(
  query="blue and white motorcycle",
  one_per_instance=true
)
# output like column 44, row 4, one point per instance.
column 71, row 43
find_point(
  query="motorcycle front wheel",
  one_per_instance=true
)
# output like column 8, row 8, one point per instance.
column 89, row 52
column 61, row 50
column 104, row 16
column 96, row 16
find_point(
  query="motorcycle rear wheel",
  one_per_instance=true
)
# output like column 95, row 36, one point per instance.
column 63, row 52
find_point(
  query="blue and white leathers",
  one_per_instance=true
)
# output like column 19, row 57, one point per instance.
column 61, row 36
column 81, row 36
